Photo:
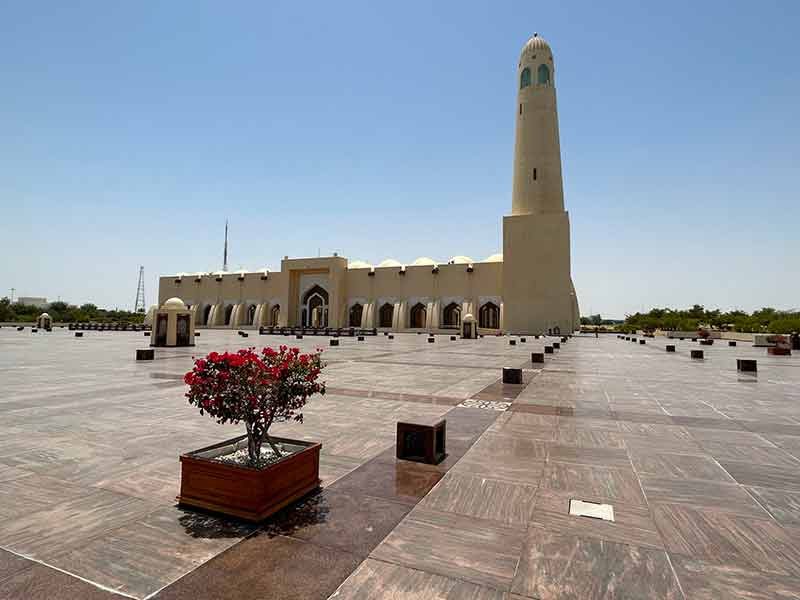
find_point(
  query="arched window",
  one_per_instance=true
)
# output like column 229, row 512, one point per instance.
column 543, row 74
column 228, row 311
column 419, row 316
column 525, row 78
column 251, row 314
column 386, row 315
column 206, row 312
column 489, row 316
column 452, row 315
column 356, row 311
column 274, row 315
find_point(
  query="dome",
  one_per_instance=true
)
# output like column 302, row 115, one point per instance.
column 423, row 260
column 461, row 260
column 174, row 304
column 468, row 318
column 535, row 43
column 390, row 262
column 359, row 264
column 494, row 258
column 44, row 316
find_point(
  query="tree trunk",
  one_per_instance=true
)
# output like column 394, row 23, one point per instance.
column 272, row 445
column 253, row 445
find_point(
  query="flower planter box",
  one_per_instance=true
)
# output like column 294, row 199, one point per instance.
column 776, row 351
column 246, row 492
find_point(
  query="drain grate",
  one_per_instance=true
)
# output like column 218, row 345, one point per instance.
column 594, row 510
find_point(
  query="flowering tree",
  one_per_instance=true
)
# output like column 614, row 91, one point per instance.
column 257, row 388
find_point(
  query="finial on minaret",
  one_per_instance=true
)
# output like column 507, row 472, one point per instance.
column 225, row 252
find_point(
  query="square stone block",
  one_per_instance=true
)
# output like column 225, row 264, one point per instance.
column 642, row 342
column 732, row 343
column 537, row 357
column 334, row 342
column 746, row 365
column 299, row 336
column 391, row 337
column 512, row 375
column 431, row 340
column 145, row 354
column 698, row 354
column 361, row 338
column 556, row 345
column 452, row 338
column 422, row 442
column 523, row 340
column 548, row 350
column 670, row 348
column 512, row 342
column 78, row 334
column 706, row 342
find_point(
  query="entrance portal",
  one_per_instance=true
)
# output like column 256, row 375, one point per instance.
column 315, row 307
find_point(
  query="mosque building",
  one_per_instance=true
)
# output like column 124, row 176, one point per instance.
column 526, row 289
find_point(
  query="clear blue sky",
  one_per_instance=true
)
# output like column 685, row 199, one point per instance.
column 130, row 131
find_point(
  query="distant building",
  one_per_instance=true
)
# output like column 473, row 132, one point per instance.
column 32, row 301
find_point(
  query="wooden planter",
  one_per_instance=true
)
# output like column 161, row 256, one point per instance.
column 245, row 492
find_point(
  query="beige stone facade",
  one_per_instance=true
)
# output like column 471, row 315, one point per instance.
column 527, row 289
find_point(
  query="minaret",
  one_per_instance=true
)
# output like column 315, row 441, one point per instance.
column 538, row 295
column 537, row 151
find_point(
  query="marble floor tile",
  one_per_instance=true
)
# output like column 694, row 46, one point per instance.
column 473, row 550
column 559, row 567
column 580, row 481
column 707, row 581
column 43, row 583
column 589, row 438
column 761, row 455
column 680, row 466
column 598, row 457
column 726, row 538
column 783, row 505
column 633, row 524
column 481, row 497
column 744, row 438
column 760, row 475
column 375, row 579
column 726, row 497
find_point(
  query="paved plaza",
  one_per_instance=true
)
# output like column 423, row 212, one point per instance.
column 700, row 463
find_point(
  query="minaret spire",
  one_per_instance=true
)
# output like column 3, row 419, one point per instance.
column 225, row 253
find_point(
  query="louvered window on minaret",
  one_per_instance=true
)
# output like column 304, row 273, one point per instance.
column 534, row 174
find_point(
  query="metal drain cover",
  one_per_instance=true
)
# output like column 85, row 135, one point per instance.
column 594, row 510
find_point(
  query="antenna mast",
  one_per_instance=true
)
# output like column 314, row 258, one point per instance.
column 225, row 253
column 139, row 305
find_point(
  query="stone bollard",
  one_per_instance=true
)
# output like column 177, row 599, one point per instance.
column 244, row 334
column 564, row 340
column 145, row 354
column 391, row 337
column 697, row 354
column 706, row 342
column 537, row 357
column 431, row 339
column 78, row 334
column 298, row 336
column 746, row 365
column 512, row 375
column 452, row 338
column 361, row 338
column 732, row 344
column 670, row 348
column 523, row 340
column 694, row 339
column 548, row 350
column 385, row 333
column 196, row 334
column 512, row 342
column 642, row 342
column 627, row 339
column 334, row 342
column 556, row 345
column 146, row 334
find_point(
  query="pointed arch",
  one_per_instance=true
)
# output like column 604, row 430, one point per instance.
column 274, row 315
column 228, row 313
column 419, row 316
column 452, row 315
column 386, row 315
column 251, row 314
column 356, row 312
column 543, row 74
column 525, row 78
column 489, row 316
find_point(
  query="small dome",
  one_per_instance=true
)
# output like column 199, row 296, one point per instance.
column 460, row 260
column 44, row 316
column 390, row 262
column 220, row 273
column 535, row 43
column 494, row 258
column 199, row 274
column 359, row 264
column 468, row 318
column 174, row 304
column 424, row 260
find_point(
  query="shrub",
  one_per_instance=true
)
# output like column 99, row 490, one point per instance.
column 258, row 389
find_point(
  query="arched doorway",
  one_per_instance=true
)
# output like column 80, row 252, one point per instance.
column 356, row 312
column 489, row 316
column 452, row 315
column 206, row 313
column 274, row 315
column 228, row 311
column 386, row 315
column 251, row 314
column 419, row 316
column 315, row 307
